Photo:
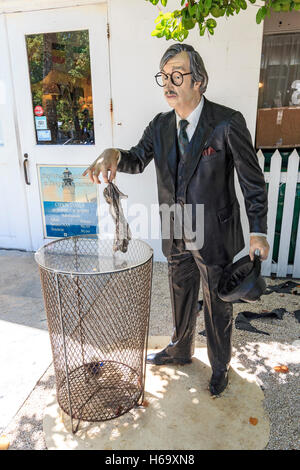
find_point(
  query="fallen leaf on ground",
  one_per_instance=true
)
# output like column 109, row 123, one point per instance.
column 281, row 368
column 253, row 421
column 145, row 403
column 4, row 442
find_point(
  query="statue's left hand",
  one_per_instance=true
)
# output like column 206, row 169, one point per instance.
column 260, row 243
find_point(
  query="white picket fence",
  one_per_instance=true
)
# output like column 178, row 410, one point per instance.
column 275, row 177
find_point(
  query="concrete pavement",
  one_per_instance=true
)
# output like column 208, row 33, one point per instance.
column 24, row 341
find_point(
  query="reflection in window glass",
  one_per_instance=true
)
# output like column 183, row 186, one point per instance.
column 280, row 71
column 61, row 87
column 278, row 117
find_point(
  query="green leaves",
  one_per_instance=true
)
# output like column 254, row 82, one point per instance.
column 211, row 23
column 202, row 13
column 192, row 9
column 242, row 4
column 207, row 5
column 260, row 15
column 202, row 30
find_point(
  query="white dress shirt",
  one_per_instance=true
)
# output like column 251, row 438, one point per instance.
column 193, row 120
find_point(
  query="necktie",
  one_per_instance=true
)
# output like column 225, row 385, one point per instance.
column 183, row 140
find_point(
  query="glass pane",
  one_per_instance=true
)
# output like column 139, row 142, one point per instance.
column 280, row 71
column 278, row 118
column 61, row 87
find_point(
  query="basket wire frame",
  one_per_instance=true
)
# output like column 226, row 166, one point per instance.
column 98, row 325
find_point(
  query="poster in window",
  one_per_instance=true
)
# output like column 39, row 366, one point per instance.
column 69, row 201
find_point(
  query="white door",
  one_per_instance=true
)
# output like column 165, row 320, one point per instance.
column 60, row 68
column 14, row 228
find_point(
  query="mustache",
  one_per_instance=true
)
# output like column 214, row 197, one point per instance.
column 170, row 93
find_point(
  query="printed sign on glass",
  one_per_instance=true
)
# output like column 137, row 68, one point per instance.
column 40, row 122
column 69, row 202
column 44, row 135
column 38, row 111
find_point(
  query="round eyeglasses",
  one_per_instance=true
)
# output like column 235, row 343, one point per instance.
column 176, row 78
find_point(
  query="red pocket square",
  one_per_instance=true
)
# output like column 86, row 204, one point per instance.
column 208, row 151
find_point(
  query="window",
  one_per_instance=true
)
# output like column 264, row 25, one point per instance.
column 278, row 120
column 61, row 87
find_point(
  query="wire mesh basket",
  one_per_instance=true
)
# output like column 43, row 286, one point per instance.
column 98, row 307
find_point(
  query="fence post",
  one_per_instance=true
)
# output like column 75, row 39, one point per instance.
column 273, row 178
column 287, row 216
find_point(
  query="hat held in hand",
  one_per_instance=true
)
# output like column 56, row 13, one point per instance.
column 242, row 280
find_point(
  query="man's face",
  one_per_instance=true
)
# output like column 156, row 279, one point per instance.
column 181, row 96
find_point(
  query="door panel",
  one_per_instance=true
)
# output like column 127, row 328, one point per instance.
column 14, row 227
column 62, row 88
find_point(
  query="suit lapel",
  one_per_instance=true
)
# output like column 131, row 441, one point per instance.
column 169, row 139
column 205, row 127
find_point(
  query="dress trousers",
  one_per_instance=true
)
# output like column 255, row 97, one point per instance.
column 185, row 268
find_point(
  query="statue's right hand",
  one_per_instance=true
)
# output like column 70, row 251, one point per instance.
column 107, row 161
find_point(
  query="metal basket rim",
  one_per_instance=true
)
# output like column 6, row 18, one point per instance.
column 75, row 273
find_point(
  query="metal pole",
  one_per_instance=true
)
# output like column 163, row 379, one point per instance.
column 147, row 333
column 82, row 339
column 65, row 351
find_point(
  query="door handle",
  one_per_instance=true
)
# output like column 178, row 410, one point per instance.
column 25, row 166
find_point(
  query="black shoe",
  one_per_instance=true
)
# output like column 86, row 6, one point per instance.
column 218, row 382
column 162, row 358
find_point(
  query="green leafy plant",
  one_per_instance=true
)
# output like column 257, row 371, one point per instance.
column 177, row 24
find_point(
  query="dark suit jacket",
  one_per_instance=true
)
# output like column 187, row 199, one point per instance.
column 209, row 179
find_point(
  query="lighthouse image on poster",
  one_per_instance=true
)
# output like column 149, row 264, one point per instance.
column 68, row 186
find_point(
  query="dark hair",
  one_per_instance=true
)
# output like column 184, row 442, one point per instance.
column 199, row 73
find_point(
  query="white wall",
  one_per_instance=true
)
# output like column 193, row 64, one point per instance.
column 231, row 58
